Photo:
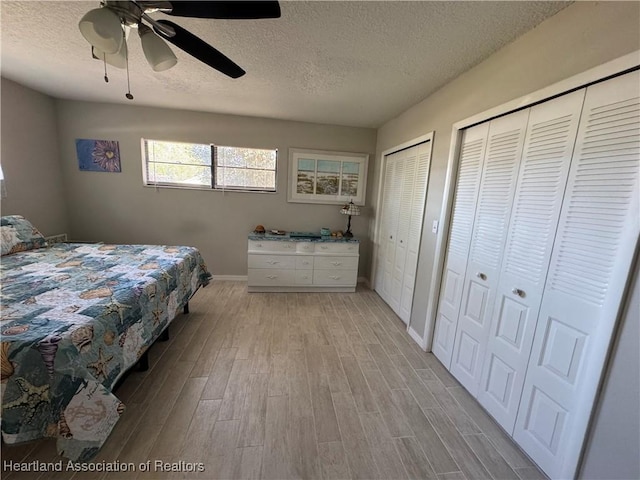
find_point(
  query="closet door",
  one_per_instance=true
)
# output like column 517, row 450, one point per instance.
column 390, row 208
column 472, row 152
column 594, row 247
column 406, row 179
column 415, row 229
column 550, row 138
column 499, row 174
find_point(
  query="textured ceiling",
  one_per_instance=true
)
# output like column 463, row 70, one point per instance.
column 335, row 62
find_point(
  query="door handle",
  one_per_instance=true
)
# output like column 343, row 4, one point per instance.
column 481, row 276
column 518, row 292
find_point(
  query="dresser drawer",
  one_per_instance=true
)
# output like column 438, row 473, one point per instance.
column 335, row 263
column 305, row 247
column 275, row 277
column 304, row 262
column 304, row 277
column 268, row 246
column 287, row 262
column 329, row 248
column 335, row 277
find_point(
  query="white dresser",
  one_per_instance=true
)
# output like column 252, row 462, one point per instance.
column 284, row 264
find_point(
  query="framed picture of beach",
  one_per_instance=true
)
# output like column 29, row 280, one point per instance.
column 317, row 176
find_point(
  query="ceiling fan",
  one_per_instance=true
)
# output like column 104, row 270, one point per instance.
column 106, row 28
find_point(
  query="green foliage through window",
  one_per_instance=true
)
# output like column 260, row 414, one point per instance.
column 203, row 165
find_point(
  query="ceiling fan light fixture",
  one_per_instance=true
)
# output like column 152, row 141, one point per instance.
column 156, row 50
column 101, row 27
column 118, row 59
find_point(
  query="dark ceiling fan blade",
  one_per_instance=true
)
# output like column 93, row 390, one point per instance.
column 201, row 50
column 232, row 10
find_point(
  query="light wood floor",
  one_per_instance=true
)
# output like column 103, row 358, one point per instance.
column 297, row 385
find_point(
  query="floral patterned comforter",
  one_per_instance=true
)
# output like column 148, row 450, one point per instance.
column 74, row 318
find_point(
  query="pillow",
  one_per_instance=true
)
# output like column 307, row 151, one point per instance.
column 18, row 235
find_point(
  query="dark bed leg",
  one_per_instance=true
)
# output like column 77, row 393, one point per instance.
column 164, row 336
column 186, row 308
column 143, row 363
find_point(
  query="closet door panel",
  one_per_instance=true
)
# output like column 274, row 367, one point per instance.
column 594, row 247
column 548, row 148
column 415, row 228
column 391, row 205
column 499, row 174
column 406, row 182
column 472, row 153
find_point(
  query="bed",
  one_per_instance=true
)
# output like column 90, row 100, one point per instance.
column 74, row 318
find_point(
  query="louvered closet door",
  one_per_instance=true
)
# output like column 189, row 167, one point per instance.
column 385, row 227
column 499, row 174
column 593, row 250
column 550, row 138
column 406, row 181
column 415, row 229
column 472, row 152
column 391, row 202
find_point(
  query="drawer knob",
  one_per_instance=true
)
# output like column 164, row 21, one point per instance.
column 324, row 247
column 335, row 277
column 259, row 245
column 287, row 246
column 335, row 264
column 272, row 277
column 481, row 276
column 304, row 277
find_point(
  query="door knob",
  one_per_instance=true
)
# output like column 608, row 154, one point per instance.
column 518, row 292
column 481, row 276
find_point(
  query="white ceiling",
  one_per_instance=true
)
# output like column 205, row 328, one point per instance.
column 334, row 62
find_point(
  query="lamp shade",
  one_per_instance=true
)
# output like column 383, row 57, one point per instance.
column 350, row 209
column 101, row 27
column 157, row 52
column 118, row 59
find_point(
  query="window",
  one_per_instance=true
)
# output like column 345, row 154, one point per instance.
column 176, row 164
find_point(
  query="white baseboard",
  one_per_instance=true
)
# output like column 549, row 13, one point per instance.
column 230, row 278
column 417, row 338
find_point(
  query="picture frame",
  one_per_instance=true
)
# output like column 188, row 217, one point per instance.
column 325, row 177
column 98, row 155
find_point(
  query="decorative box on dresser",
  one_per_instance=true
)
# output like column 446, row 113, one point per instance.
column 280, row 263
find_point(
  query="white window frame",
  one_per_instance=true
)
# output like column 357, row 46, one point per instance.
column 212, row 166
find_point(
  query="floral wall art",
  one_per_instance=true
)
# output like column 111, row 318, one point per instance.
column 98, row 155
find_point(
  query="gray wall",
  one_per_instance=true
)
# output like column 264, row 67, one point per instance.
column 582, row 36
column 614, row 441
column 30, row 159
column 116, row 207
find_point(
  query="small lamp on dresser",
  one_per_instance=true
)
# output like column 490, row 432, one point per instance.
column 350, row 209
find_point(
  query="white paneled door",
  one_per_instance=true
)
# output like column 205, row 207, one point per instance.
column 590, row 263
column 497, row 187
column 472, row 150
column 545, row 225
column 548, row 148
column 403, row 199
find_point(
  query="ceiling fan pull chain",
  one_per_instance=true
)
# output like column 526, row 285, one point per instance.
column 128, row 94
column 104, row 59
